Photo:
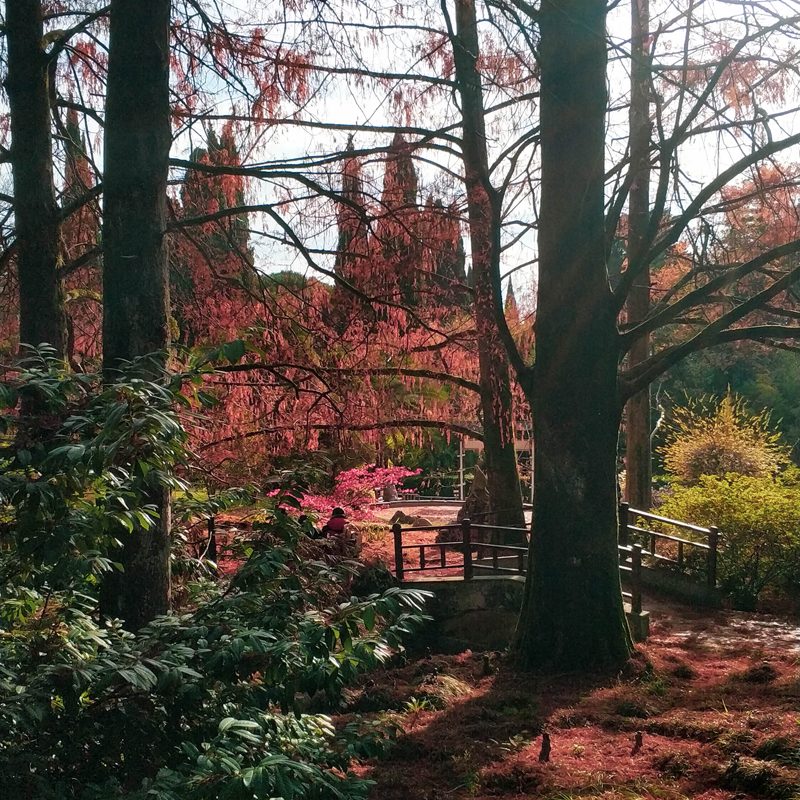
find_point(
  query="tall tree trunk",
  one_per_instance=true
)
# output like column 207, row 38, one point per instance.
column 573, row 616
column 502, row 474
column 638, row 464
column 42, row 316
column 135, row 283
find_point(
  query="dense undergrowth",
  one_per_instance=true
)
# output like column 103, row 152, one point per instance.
column 204, row 703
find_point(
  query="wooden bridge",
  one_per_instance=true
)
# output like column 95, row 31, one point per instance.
column 639, row 545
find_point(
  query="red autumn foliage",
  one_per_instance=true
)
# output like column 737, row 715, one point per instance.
column 355, row 490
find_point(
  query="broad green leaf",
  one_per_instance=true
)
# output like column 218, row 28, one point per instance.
column 234, row 351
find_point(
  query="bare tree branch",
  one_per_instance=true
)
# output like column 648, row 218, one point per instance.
column 455, row 427
column 665, row 315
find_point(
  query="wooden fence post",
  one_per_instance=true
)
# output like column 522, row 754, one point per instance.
column 466, row 535
column 636, row 579
column 713, row 541
column 397, row 532
column 623, row 524
column 622, row 533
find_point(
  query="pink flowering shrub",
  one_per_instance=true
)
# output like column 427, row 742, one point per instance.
column 355, row 490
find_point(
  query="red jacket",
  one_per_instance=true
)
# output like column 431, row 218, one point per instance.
column 335, row 525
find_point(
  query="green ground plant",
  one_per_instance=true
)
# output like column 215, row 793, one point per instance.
column 196, row 705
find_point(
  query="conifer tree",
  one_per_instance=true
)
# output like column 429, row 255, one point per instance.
column 137, row 142
column 41, row 304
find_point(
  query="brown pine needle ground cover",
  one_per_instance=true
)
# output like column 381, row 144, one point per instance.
column 714, row 695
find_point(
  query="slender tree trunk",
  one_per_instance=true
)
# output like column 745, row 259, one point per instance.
column 502, row 474
column 42, row 316
column 573, row 616
column 135, row 282
column 638, row 464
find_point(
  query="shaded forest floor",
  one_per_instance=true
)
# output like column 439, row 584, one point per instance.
column 714, row 694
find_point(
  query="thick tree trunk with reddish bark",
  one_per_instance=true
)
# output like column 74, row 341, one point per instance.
column 42, row 316
column 638, row 464
column 135, row 285
column 573, row 616
column 502, row 474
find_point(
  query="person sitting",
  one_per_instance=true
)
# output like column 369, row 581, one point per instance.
column 336, row 524
column 340, row 528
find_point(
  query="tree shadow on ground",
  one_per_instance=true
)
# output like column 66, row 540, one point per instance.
column 445, row 752
column 716, row 709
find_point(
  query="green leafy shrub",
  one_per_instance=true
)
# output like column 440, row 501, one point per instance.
column 712, row 437
column 373, row 577
column 759, row 521
column 77, row 467
column 198, row 705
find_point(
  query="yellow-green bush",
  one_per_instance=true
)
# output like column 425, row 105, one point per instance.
column 717, row 438
column 759, row 521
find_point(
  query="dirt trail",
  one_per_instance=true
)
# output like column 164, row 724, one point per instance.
column 674, row 622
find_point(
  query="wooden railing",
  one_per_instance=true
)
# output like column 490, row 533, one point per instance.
column 463, row 551
column 516, row 555
column 629, row 531
column 512, row 559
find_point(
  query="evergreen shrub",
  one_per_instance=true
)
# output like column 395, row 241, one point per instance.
column 196, row 705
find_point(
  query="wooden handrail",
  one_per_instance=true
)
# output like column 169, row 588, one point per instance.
column 626, row 514
column 628, row 553
column 458, row 526
column 482, row 526
column 648, row 515
column 490, row 546
column 440, row 545
column 483, row 545
column 660, row 535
